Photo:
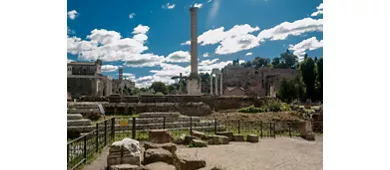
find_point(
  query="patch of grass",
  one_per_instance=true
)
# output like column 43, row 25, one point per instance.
column 251, row 109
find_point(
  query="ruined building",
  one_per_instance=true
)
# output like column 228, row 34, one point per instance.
column 85, row 79
column 120, row 85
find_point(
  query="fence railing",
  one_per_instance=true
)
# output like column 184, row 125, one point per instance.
column 137, row 128
column 86, row 146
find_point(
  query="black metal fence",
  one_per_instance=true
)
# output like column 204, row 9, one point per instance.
column 86, row 146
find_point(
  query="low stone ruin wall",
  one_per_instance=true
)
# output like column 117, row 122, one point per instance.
column 189, row 109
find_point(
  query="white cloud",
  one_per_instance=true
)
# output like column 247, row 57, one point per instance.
column 73, row 14
column 308, row 44
column 285, row 29
column 320, row 10
column 132, row 15
column 128, row 76
column 235, row 44
column 103, row 36
column 208, row 62
column 109, row 68
column 198, row 5
column 213, row 11
column 140, row 38
column 248, row 54
column 215, row 36
column 144, row 60
column 179, row 57
column 206, row 55
column 69, row 60
column 209, row 1
column 70, row 31
column 168, row 6
column 140, row 29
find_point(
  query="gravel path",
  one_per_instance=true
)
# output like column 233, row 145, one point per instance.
column 282, row 153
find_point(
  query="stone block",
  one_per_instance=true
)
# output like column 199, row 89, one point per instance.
column 198, row 134
column 310, row 136
column 171, row 147
column 238, row 138
column 188, row 139
column 180, row 139
column 160, row 136
column 252, row 138
column 158, row 155
column 227, row 134
column 191, row 164
column 124, row 167
column 126, row 151
column 198, row 143
column 217, row 140
column 159, row 166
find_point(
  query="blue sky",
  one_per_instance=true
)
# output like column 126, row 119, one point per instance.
column 148, row 37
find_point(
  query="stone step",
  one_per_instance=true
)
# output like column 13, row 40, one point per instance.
column 79, row 122
column 159, row 114
column 71, row 111
column 82, row 129
column 74, row 116
column 167, row 120
column 167, row 125
column 86, row 129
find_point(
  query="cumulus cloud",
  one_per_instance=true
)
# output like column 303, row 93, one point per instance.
column 206, row 55
column 73, row 14
column 140, row 29
column 235, row 44
column 132, row 15
column 198, row 5
column 208, row 62
column 296, row 28
column 69, row 60
column 109, row 68
column 320, row 10
column 168, row 6
column 179, row 57
column 248, row 54
column 308, row 44
column 128, row 76
column 209, row 1
column 144, row 60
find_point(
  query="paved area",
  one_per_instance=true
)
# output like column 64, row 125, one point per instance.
column 282, row 153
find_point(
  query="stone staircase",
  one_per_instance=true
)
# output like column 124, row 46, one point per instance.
column 75, row 120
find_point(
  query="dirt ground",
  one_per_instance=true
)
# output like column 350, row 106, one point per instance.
column 282, row 153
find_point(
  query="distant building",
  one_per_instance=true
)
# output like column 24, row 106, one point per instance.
column 85, row 79
column 119, row 85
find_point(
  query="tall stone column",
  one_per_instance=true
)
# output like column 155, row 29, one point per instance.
column 216, row 84
column 194, row 41
column 221, row 85
column 211, row 84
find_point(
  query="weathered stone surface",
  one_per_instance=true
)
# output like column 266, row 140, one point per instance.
column 160, row 136
column 198, row 143
column 159, row 166
column 171, row 147
column 227, row 134
column 126, row 151
column 306, row 131
column 238, row 138
column 198, row 134
column 217, row 140
column 310, row 136
column 187, row 139
column 252, row 138
column 124, row 167
column 191, row 164
column 158, row 155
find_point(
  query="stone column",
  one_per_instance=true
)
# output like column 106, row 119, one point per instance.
column 194, row 41
column 221, row 85
column 211, row 84
column 216, row 84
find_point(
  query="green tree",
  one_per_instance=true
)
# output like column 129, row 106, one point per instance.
column 308, row 72
column 290, row 60
column 171, row 88
column 320, row 78
column 288, row 90
column 259, row 62
column 275, row 62
column 159, row 87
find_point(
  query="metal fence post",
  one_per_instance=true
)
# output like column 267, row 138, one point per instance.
column 67, row 153
column 215, row 125
column 133, row 130
column 105, row 132
column 85, row 149
column 289, row 129
column 97, row 137
column 261, row 129
column 113, row 129
column 191, row 125
column 239, row 127
column 164, row 122
column 274, row 130
column 270, row 129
